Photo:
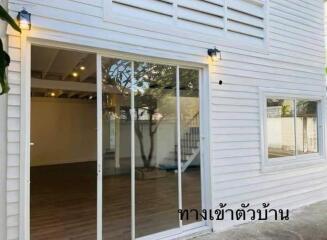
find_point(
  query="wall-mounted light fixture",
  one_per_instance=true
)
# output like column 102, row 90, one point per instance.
column 24, row 20
column 215, row 54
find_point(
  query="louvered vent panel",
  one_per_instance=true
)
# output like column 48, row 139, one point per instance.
column 240, row 20
column 246, row 20
column 201, row 15
column 152, row 10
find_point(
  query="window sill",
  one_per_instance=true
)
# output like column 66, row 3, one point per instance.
column 279, row 165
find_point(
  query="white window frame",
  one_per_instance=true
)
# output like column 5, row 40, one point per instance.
column 297, row 161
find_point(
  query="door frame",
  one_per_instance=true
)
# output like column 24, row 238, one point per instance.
column 204, row 96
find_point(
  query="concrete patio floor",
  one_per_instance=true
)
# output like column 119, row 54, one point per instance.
column 308, row 223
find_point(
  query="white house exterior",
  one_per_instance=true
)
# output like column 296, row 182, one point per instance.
column 270, row 49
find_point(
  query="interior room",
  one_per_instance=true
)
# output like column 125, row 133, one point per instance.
column 64, row 145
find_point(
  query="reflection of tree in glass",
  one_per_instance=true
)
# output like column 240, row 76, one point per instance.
column 286, row 107
column 189, row 81
column 306, row 108
column 116, row 79
column 153, row 82
column 117, row 73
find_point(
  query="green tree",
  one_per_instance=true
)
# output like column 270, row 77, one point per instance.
column 4, row 57
column 153, row 82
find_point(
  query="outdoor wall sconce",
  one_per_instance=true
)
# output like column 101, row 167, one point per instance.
column 24, row 20
column 215, row 54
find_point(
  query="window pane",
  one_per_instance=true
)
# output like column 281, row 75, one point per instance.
column 63, row 170
column 156, row 185
column 280, row 128
column 306, row 127
column 190, row 141
column 116, row 134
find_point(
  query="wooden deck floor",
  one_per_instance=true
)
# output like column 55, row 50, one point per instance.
column 63, row 203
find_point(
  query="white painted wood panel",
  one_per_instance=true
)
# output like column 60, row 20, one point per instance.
column 242, row 20
column 13, row 139
column 13, row 160
column 246, row 20
column 149, row 10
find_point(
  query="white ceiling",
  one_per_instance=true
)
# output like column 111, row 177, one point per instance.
column 56, row 66
column 59, row 64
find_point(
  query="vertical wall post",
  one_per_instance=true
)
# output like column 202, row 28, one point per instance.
column 24, row 205
column 179, row 154
column 175, row 11
column 132, row 112
column 107, row 9
column 225, row 16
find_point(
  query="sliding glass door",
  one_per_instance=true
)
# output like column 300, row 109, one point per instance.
column 150, row 161
column 189, row 92
column 116, row 148
column 156, row 183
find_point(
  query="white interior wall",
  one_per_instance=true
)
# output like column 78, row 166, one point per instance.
column 63, row 131
column 165, row 139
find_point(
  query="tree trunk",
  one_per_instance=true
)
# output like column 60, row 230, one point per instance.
column 146, row 159
column 139, row 135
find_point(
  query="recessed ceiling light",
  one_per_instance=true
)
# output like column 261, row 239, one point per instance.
column 75, row 74
column 82, row 68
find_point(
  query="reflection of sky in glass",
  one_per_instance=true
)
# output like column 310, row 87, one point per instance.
column 119, row 74
column 142, row 88
column 142, row 81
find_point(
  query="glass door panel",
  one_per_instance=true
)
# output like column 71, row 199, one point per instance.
column 116, row 105
column 156, row 183
column 190, row 141
column 63, row 166
column 149, row 91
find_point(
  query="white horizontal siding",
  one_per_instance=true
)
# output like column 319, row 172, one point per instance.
column 294, row 62
column 13, row 139
column 3, row 166
column 236, row 157
column 325, row 24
